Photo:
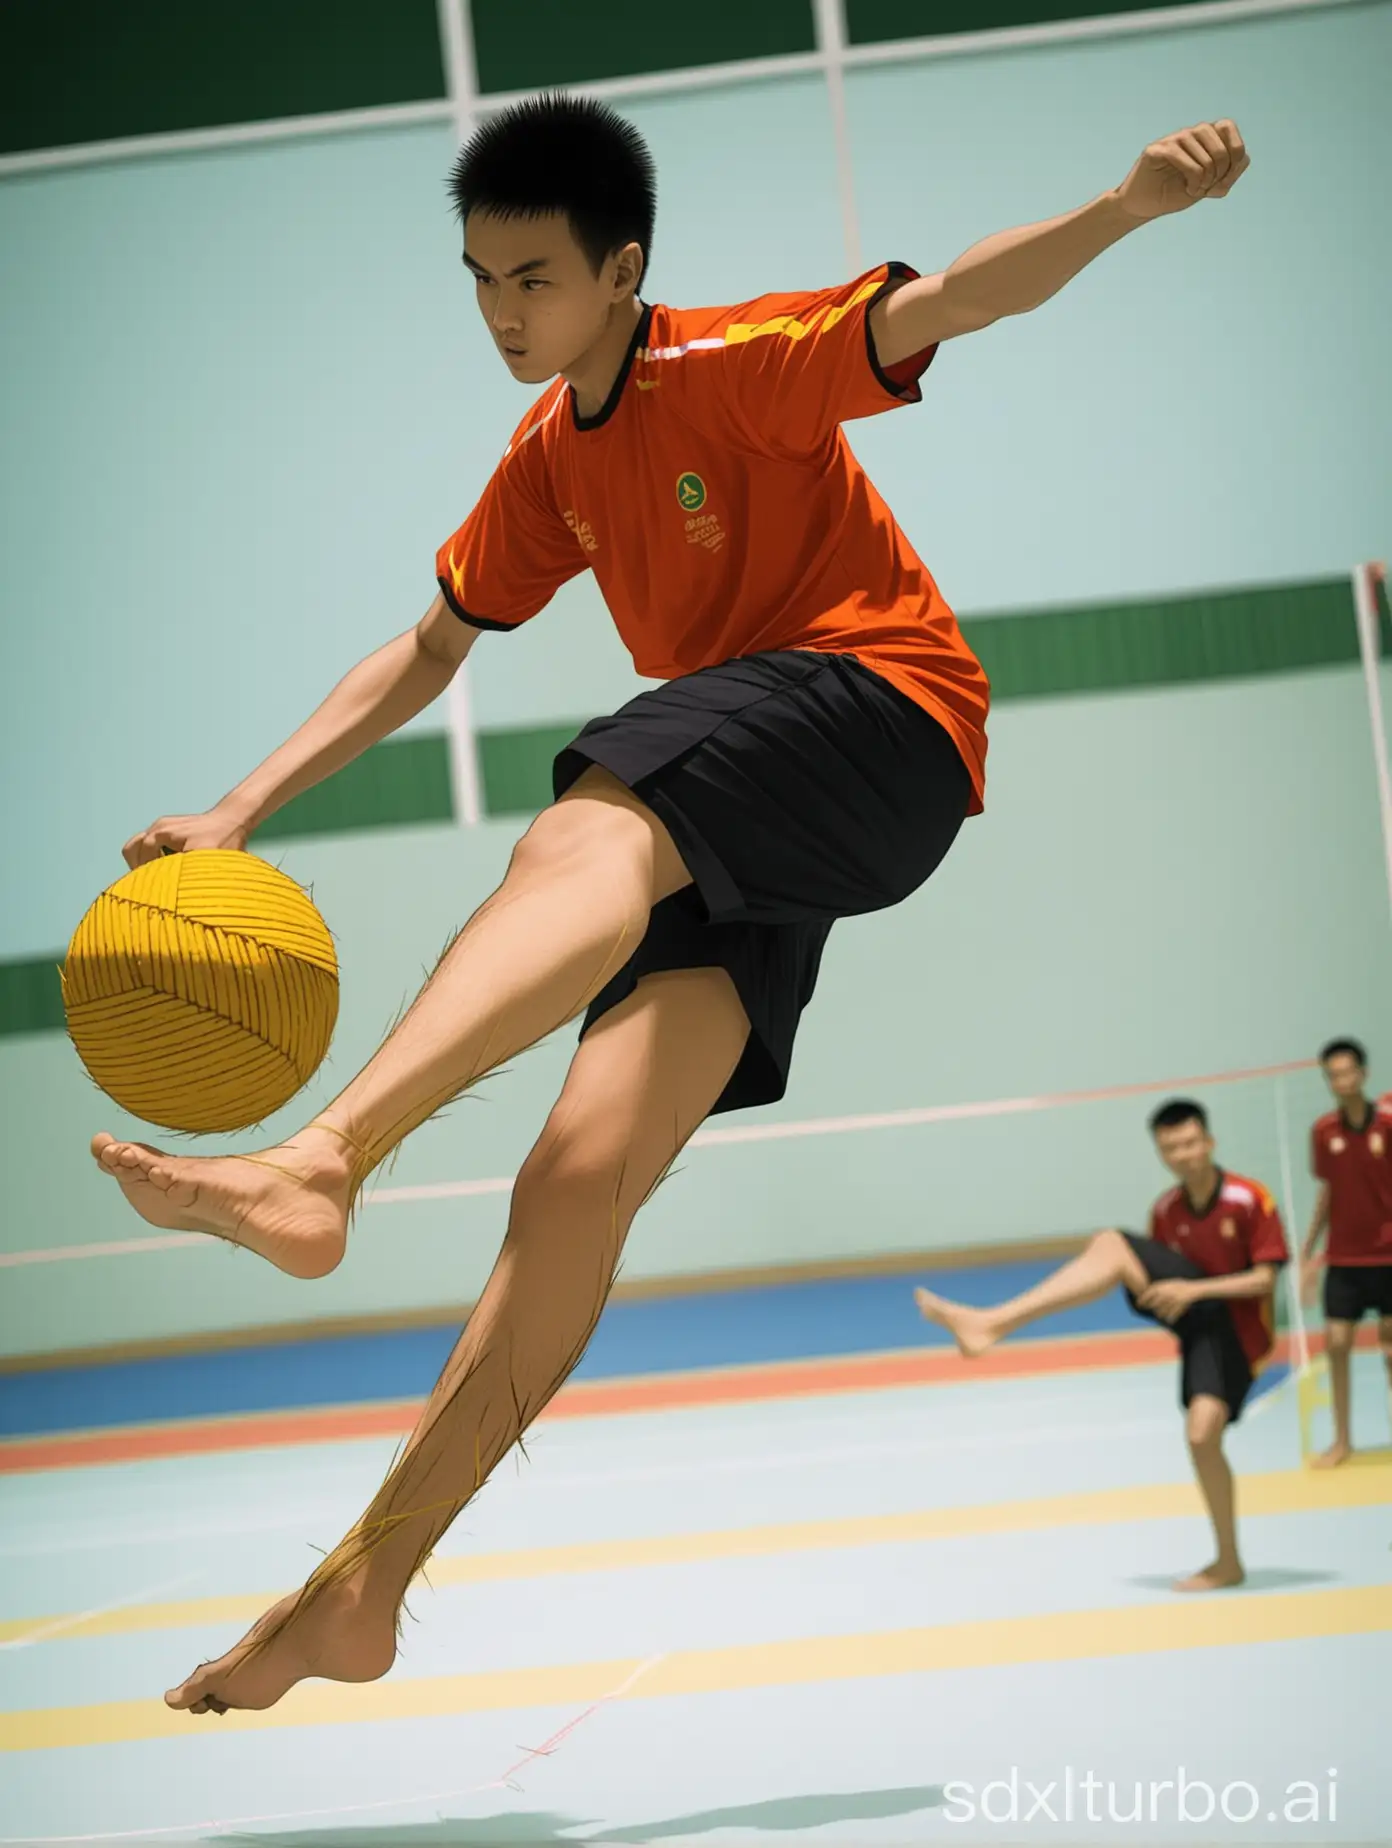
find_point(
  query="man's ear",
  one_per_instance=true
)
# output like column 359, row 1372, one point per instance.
column 628, row 269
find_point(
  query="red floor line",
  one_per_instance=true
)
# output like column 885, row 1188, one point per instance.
column 601, row 1398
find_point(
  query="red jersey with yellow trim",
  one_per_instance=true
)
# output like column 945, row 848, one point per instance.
column 720, row 508
column 1239, row 1228
column 1356, row 1166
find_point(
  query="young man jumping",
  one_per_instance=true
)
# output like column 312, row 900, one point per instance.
column 816, row 743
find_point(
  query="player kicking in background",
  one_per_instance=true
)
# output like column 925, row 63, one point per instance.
column 1351, row 1158
column 1207, row 1269
column 815, row 745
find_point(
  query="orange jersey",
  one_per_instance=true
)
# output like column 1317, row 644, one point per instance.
column 719, row 506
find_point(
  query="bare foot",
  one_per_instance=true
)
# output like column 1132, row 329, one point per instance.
column 289, row 1205
column 1336, row 1454
column 337, row 1637
column 971, row 1329
column 1222, row 1575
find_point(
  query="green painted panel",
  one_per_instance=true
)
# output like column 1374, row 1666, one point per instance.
column 396, row 784
column 515, row 767
column 89, row 70
column 1110, row 648
column 872, row 22
column 1113, row 648
column 31, row 996
column 553, row 42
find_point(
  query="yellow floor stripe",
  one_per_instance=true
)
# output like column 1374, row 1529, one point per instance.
column 1200, row 1623
column 1282, row 1492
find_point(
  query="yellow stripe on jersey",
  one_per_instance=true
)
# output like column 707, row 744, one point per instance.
column 791, row 328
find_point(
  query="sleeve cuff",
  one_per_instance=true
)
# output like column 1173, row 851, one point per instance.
column 901, row 379
column 474, row 622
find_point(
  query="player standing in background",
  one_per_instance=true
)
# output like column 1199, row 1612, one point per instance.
column 1351, row 1158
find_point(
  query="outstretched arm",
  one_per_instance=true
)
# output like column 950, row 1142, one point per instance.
column 381, row 693
column 1015, row 271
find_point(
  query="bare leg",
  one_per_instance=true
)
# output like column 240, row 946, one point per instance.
column 641, row 1082
column 1107, row 1261
column 1206, row 1423
column 572, row 909
column 1338, row 1347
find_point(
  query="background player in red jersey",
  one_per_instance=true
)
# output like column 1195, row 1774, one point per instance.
column 1207, row 1269
column 1351, row 1158
column 817, row 740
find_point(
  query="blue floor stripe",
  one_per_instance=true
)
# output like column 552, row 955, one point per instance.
column 795, row 1321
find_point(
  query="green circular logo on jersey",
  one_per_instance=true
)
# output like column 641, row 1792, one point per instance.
column 691, row 492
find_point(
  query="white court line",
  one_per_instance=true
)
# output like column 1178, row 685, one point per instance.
column 174, row 1535
column 1269, row 1397
column 793, row 1459
column 761, row 1463
column 505, row 1781
column 57, row 1625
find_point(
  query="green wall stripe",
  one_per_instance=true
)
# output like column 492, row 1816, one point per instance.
column 1110, row 648
column 396, row 784
column 1106, row 648
column 76, row 71
column 550, row 42
column 872, row 22
column 73, row 71
column 515, row 767
column 31, row 996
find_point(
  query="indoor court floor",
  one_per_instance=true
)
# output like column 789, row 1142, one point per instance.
column 787, row 1599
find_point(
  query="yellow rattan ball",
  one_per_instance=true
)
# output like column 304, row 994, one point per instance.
column 201, row 990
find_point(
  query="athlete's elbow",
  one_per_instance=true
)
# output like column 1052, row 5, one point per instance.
column 967, row 307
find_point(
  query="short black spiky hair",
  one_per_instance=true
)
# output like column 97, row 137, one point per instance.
column 1178, row 1110
column 567, row 154
column 1356, row 1052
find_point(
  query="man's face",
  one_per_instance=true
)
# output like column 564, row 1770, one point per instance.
column 539, row 297
column 1186, row 1149
column 1344, row 1076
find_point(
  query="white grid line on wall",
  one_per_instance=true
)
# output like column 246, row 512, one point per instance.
column 834, row 61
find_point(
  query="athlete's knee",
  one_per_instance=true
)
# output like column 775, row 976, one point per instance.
column 570, row 1165
column 592, row 832
column 1115, row 1247
column 1205, row 1421
column 584, row 1167
column 1339, row 1337
column 605, row 828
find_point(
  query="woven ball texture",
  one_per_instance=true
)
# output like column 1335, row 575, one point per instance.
column 201, row 990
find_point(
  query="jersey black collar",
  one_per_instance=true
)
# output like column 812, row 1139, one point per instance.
column 611, row 403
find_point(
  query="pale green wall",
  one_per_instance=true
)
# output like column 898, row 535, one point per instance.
column 1164, row 884
column 253, row 401
column 1205, row 404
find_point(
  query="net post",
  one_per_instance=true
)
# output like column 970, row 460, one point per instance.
column 1311, row 1374
column 454, row 23
column 1366, row 579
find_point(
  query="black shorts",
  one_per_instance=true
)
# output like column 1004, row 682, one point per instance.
column 799, row 788
column 1211, row 1360
column 1352, row 1291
